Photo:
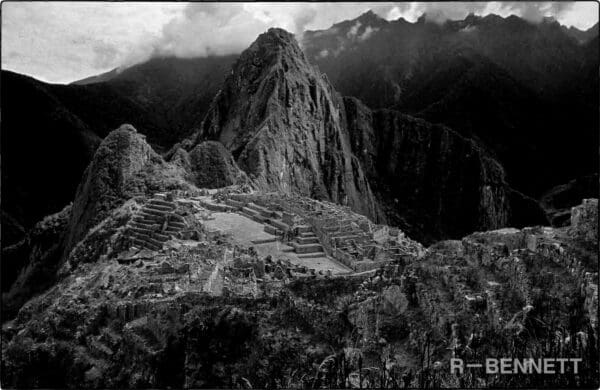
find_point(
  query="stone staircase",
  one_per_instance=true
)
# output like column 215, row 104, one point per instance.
column 307, row 244
column 145, row 227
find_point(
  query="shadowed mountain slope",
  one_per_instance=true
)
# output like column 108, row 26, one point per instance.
column 517, row 88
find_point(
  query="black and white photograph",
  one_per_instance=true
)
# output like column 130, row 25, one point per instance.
column 299, row 195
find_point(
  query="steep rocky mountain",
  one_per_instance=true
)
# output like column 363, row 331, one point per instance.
column 285, row 126
column 290, row 131
column 514, row 86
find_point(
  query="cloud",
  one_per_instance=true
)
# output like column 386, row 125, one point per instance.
column 64, row 41
column 367, row 33
column 439, row 12
column 536, row 11
column 353, row 30
column 105, row 54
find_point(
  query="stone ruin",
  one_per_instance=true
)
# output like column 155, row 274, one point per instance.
column 318, row 229
column 158, row 221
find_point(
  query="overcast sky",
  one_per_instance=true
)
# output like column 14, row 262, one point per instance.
column 65, row 41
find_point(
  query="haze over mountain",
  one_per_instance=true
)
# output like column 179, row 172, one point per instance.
column 523, row 93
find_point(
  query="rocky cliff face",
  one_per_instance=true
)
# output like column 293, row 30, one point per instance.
column 285, row 126
column 432, row 181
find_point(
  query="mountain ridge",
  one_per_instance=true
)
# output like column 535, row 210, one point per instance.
column 146, row 95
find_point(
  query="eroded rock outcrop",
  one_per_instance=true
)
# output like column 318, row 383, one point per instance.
column 285, row 126
column 584, row 221
column 559, row 200
column 209, row 165
column 430, row 180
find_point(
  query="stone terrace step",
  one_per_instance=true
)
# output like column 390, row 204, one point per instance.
column 261, row 210
column 144, row 244
column 177, row 224
column 278, row 224
column 150, row 211
column 243, row 213
column 141, row 230
column 159, row 207
column 161, row 237
column 311, row 255
column 161, row 202
column 259, row 218
column 250, row 211
column 264, row 240
column 304, row 229
column 307, row 248
column 149, row 218
column 307, row 240
column 218, row 207
column 151, row 240
column 234, row 203
column 142, row 225
column 143, row 217
column 272, row 230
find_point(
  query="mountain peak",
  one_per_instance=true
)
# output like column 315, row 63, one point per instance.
column 371, row 18
column 272, row 45
column 282, row 122
column 276, row 34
